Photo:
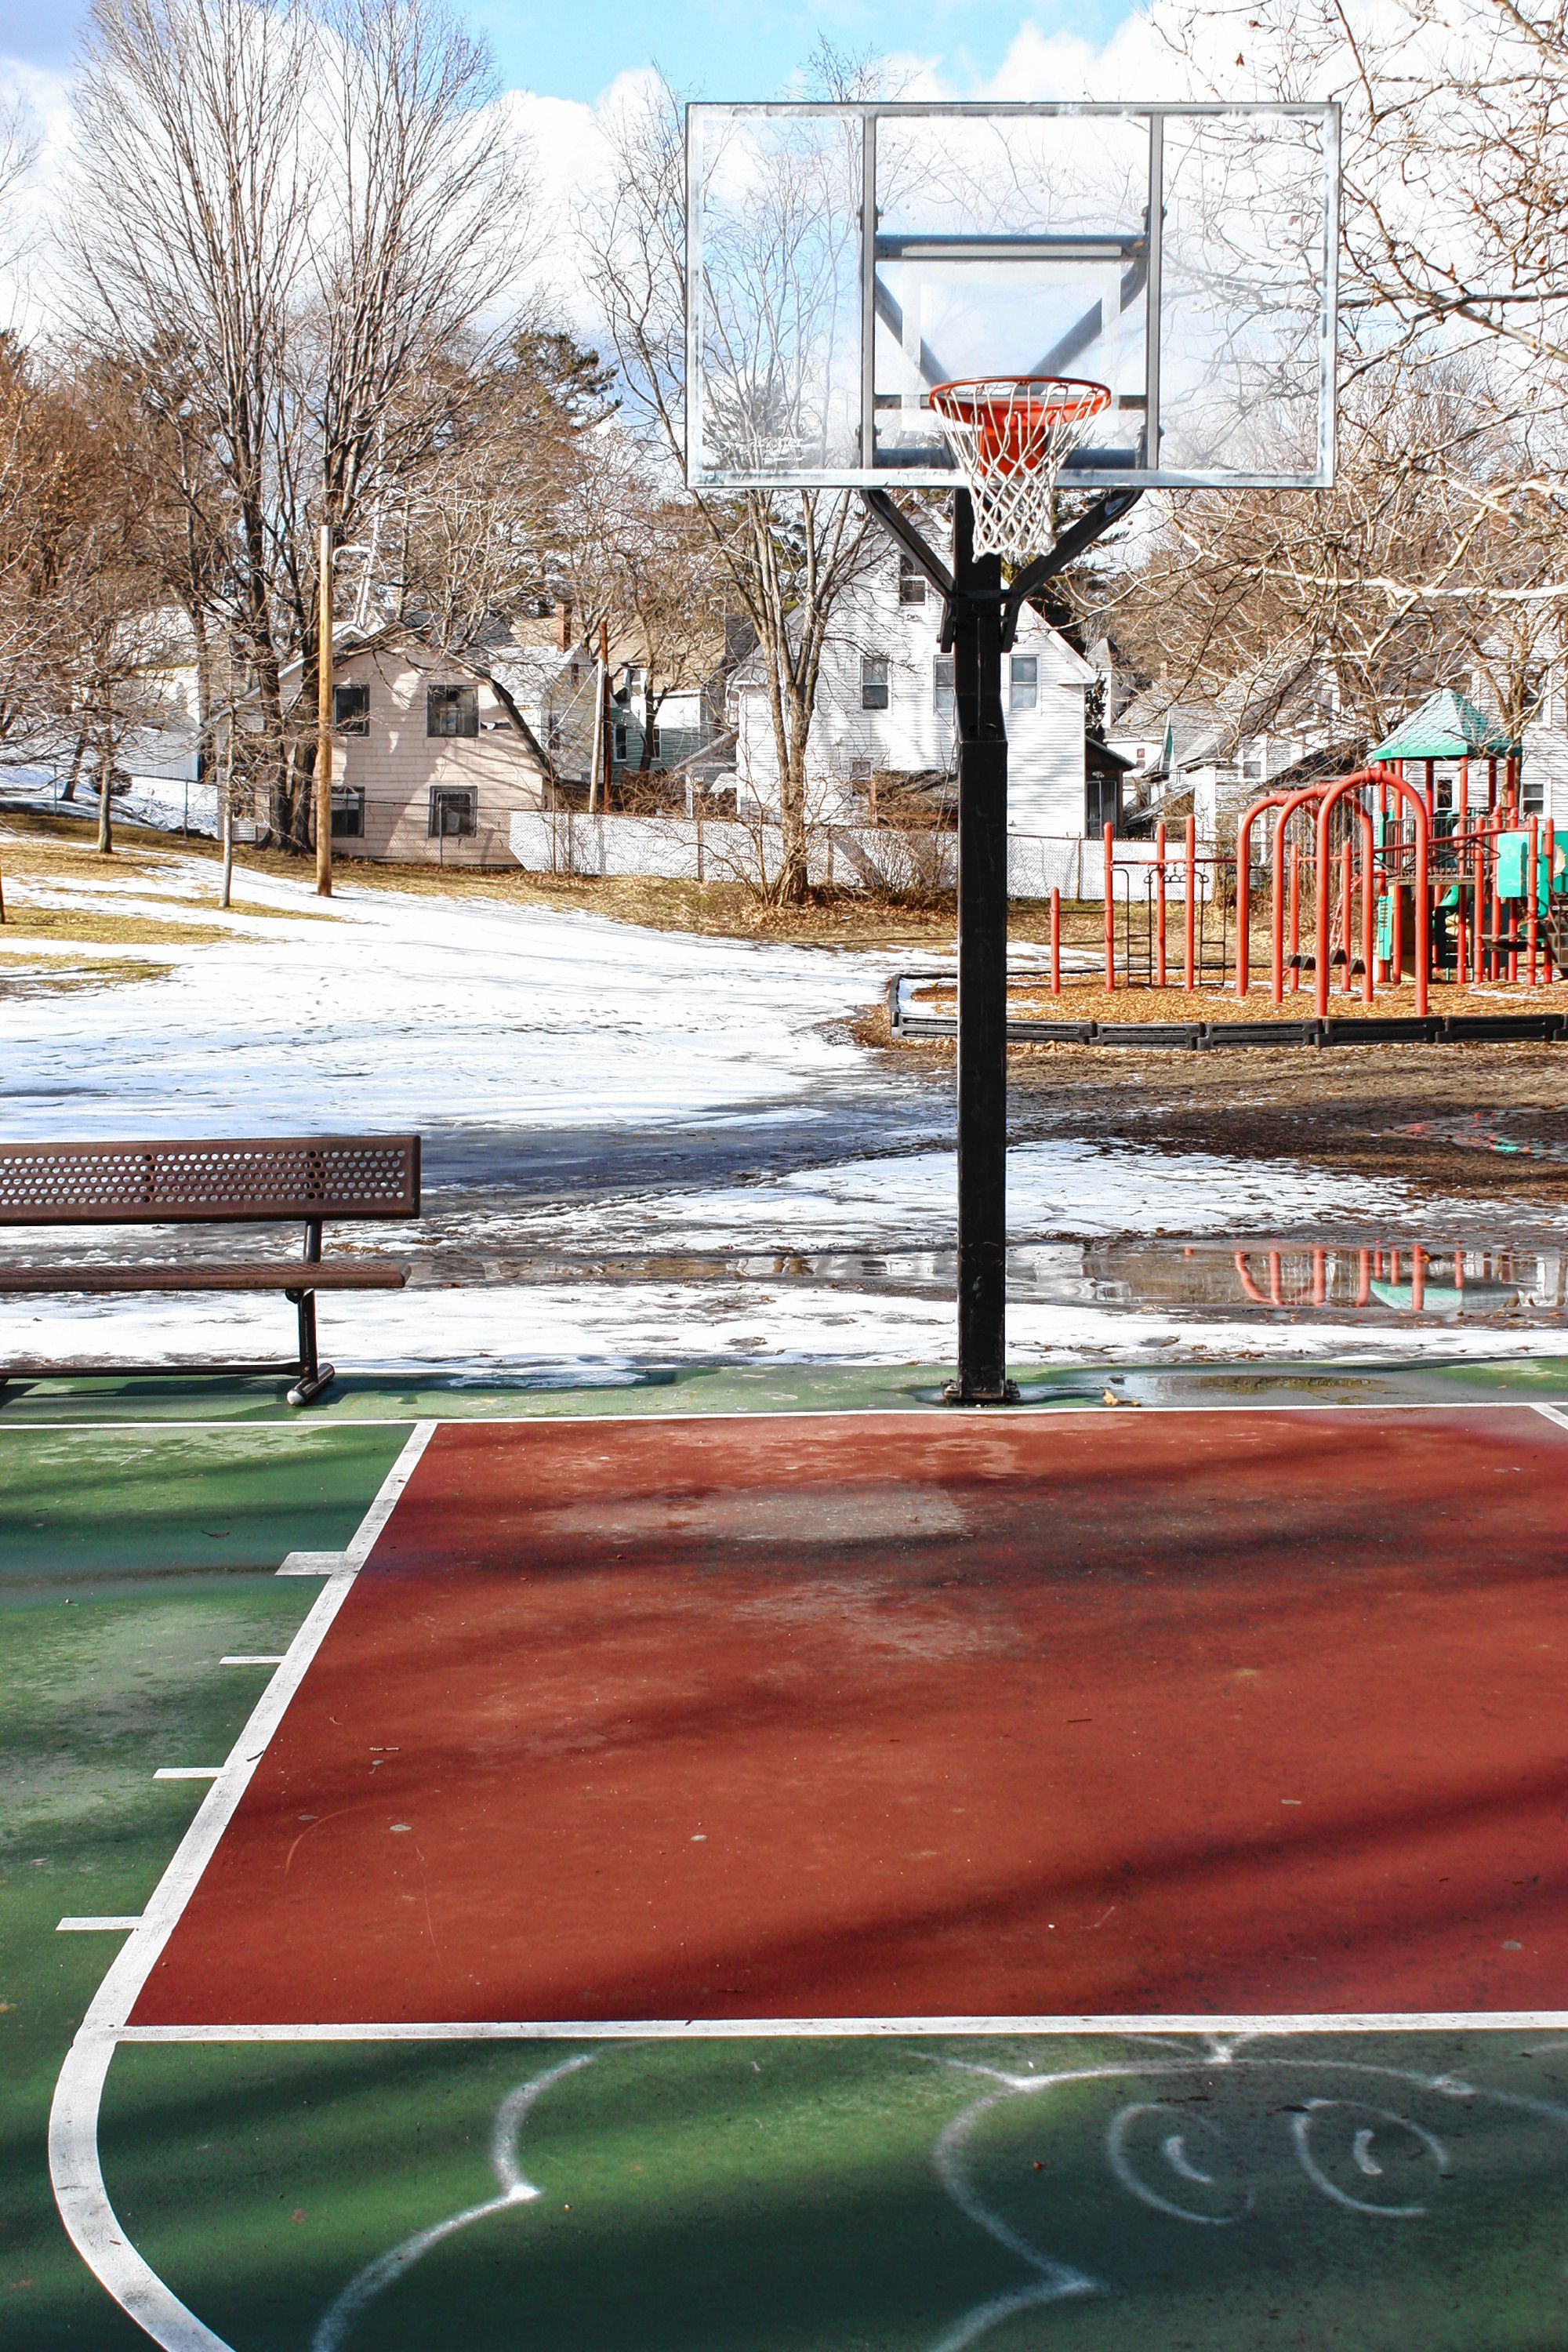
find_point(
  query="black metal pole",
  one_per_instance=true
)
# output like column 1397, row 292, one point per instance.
column 978, row 622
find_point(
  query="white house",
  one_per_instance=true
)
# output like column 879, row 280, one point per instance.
column 1544, row 748
column 885, row 724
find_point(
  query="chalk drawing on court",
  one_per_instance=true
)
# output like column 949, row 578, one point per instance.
column 515, row 2188
column 1358, row 2156
column 1153, row 2150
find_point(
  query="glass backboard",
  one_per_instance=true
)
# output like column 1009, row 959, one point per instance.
column 841, row 260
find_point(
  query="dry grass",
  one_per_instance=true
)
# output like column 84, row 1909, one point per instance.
column 67, row 975
column 92, row 926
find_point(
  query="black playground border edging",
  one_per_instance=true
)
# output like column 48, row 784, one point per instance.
column 1216, row 1037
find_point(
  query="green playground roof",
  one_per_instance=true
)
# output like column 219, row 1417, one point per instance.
column 1446, row 727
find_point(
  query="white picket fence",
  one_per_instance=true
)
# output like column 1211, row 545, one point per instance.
column 689, row 849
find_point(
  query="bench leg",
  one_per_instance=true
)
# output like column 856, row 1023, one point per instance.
column 315, row 1378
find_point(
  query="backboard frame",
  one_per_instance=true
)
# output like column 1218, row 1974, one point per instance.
column 1088, row 471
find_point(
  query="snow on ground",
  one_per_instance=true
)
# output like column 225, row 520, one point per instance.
column 587, row 1091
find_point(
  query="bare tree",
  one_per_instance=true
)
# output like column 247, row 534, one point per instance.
column 1445, row 543
column 788, row 557
column 307, row 205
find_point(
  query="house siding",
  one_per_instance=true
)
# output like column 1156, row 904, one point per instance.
column 911, row 736
column 396, row 764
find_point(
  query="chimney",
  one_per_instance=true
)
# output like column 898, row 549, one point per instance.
column 564, row 626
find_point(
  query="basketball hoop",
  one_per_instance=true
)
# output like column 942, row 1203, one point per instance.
column 1009, row 436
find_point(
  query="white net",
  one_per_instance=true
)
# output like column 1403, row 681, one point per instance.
column 1008, row 436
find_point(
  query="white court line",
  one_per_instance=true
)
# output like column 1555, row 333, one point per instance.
column 105, row 1926
column 339, row 1563
column 188, row 1771
column 785, row 2028
column 73, row 2166
column 261, row 1658
column 294, row 1427
column 1553, row 1412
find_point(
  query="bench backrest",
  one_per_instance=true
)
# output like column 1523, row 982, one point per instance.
column 220, row 1181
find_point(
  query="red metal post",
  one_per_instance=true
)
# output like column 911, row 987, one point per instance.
column 1287, row 804
column 1192, row 847
column 1258, row 1297
column 1363, row 1278
column 1479, row 893
column 1551, row 846
column 1276, row 1289
column 1111, row 907
column 1320, row 1278
column 1159, row 925
column 1244, row 892
column 1417, row 1279
column 1335, row 793
column 1056, row 942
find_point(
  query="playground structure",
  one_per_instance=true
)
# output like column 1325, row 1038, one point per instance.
column 1370, row 887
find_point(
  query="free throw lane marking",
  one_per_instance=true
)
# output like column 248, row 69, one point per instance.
column 1044, row 1704
column 263, row 1658
column 110, row 1924
column 872, row 2029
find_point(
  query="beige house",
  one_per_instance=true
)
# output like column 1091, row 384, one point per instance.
column 428, row 766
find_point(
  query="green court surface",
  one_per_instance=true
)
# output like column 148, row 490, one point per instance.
column 818, row 2195
column 727, row 1388
column 810, row 2192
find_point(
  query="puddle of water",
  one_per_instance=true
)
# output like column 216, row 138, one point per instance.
column 1477, row 1130
column 1265, row 1280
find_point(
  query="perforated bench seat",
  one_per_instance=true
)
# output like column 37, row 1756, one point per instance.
column 246, row 1180
column 326, row 1273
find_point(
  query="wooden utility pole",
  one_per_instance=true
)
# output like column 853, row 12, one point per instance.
column 324, row 713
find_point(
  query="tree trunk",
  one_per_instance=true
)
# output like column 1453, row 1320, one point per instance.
column 105, row 783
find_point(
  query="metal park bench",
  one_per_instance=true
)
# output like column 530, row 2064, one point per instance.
column 268, row 1180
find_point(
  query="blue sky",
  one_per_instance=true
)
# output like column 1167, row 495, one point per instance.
column 716, row 48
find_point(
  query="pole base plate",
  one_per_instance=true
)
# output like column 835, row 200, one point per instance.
column 963, row 1393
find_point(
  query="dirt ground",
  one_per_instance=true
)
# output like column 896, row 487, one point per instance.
column 1474, row 1120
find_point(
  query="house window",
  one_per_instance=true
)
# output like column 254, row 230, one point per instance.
column 1026, row 682
column 452, row 710
column 621, row 743
column 911, row 582
column 1101, row 806
column 1532, row 791
column 1254, row 761
column 351, row 710
column 874, row 689
column 941, row 680
column 348, row 813
column 454, row 812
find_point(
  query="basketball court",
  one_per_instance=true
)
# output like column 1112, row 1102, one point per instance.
column 875, row 1880
column 960, row 1870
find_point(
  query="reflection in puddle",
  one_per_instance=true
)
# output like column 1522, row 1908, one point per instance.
column 1374, row 1281
column 1477, row 1130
